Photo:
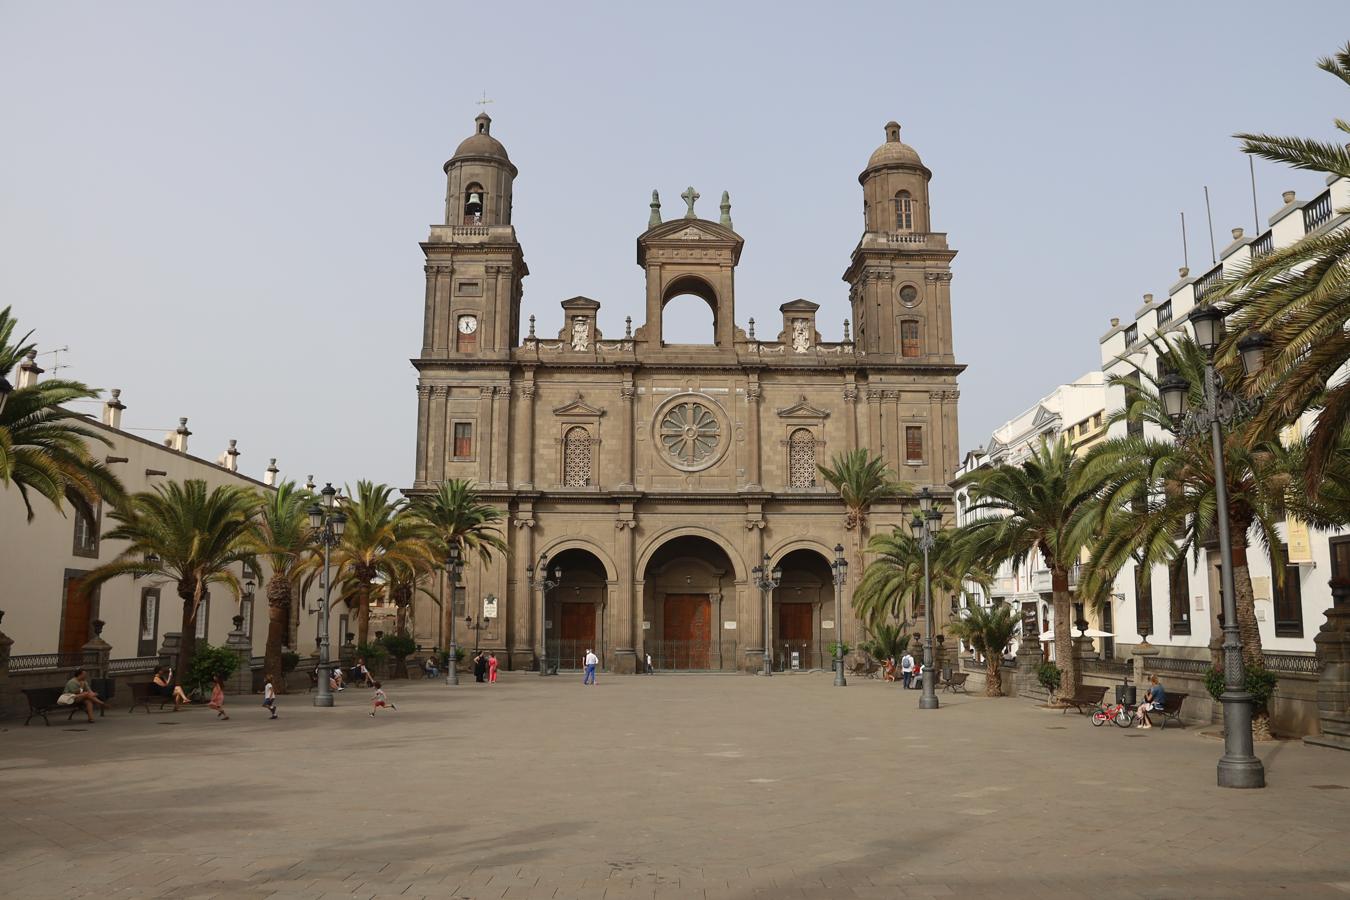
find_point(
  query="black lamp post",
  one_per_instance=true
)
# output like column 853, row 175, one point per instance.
column 454, row 567
column 1239, row 766
column 924, row 526
column 480, row 623
column 840, row 568
column 545, row 584
column 767, row 580
column 327, row 523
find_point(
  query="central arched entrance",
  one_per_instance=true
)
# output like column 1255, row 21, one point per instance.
column 685, row 584
column 803, row 612
column 574, row 617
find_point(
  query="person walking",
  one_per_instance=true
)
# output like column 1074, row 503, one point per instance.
column 270, row 696
column 591, row 662
column 907, row 668
column 379, row 700
column 492, row 668
column 651, row 670
column 218, row 697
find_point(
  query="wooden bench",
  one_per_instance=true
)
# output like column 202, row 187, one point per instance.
column 1171, row 710
column 955, row 682
column 1085, row 699
column 143, row 695
column 42, row 702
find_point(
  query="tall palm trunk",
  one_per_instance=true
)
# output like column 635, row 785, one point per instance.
column 363, row 613
column 1064, row 659
column 278, row 616
column 993, row 674
column 188, row 590
column 1249, row 632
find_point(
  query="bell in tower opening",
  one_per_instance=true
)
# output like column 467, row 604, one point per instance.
column 473, row 205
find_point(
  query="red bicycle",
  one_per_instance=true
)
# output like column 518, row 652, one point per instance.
column 1119, row 713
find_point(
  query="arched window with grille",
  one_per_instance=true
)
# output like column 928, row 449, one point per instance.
column 904, row 212
column 801, row 459
column 577, row 457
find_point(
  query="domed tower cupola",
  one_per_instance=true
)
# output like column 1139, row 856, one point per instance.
column 895, row 187
column 479, row 179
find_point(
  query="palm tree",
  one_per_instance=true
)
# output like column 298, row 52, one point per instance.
column 455, row 515
column 183, row 532
column 862, row 480
column 287, row 541
column 892, row 583
column 1048, row 505
column 372, row 532
column 988, row 629
column 1300, row 298
column 43, row 447
column 889, row 639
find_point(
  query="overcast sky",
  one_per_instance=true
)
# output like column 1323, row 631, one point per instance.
column 217, row 207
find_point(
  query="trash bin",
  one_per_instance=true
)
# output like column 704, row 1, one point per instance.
column 1126, row 693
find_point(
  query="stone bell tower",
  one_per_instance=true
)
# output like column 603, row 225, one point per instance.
column 900, row 273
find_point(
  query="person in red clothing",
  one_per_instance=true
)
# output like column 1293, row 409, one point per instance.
column 492, row 668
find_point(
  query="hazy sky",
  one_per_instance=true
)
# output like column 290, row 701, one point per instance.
column 217, row 207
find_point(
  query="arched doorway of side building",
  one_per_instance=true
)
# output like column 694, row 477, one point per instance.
column 803, row 612
column 688, row 592
column 574, row 617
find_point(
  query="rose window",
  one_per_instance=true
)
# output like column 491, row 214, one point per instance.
column 690, row 433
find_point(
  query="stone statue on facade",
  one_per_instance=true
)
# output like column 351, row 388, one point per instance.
column 581, row 334
column 801, row 336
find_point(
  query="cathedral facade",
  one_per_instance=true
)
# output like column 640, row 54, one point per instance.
column 649, row 478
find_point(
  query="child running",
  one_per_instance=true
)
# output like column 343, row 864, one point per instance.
column 379, row 700
column 218, row 697
column 270, row 697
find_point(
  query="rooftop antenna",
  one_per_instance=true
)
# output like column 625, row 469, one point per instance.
column 56, row 357
column 1213, row 257
column 1185, row 251
column 1256, row 216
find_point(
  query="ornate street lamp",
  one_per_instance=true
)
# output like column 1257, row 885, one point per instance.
column 327, row 524
column 454, row 567
column 767, row 580
column 924, row 526
column 1239, row 766
column 840, row 567
column 545, row 584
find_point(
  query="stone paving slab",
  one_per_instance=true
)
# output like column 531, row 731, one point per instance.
column 655, row 787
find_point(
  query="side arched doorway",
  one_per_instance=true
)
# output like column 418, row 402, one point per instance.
column 574, row 617
column 803, row 607
column 685, row 585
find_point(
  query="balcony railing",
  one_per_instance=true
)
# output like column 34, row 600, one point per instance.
column 1263, row 245
column 1318, row 212
column 1165, row 313
column 52, row 662
column 1208, row 282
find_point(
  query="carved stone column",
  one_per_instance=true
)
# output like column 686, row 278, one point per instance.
column 423, row 426
column 501, row 436
column 851, row 412
column 750, row 624
column 524, row 614
column 485, row 436
column 622, row 603
column 874, row 441
column 754, row 452
column 628, row 396
column 1333, row 684
column 526, row 454
column 429, row 317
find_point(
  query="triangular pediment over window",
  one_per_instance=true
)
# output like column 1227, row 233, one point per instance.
column 802, row 410
column 578, row 407
column 690, row 233
column 1044, row 416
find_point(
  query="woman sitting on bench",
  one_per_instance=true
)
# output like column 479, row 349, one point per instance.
column 162, row 686
column 78, row 692
column 1154, row 698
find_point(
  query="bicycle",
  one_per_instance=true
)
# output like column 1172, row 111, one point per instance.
column 1119, row 713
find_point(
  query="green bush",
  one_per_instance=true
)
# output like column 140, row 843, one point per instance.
column 1049, row 675
column 399, row 646
column 289, row 660
column 840, row 649
column 371, row 651
column 1259, row 681
column 207, row 662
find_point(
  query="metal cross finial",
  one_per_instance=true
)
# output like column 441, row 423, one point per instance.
column 483, row 102
column 689, row 196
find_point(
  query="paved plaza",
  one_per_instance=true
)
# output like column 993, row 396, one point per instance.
column 666, row 786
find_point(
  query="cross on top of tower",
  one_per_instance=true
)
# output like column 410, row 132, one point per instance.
column 483, row 102
column 689, row 196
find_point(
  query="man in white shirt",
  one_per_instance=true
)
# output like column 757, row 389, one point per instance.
column 591, row 662
column 907, row 668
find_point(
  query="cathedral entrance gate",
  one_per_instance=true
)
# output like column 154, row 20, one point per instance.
column 575, row 619
column 687, row 621
column 803, row 611
column 684, row 606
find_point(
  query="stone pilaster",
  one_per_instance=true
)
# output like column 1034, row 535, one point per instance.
column 750, row 627
column 524, row 612
column 527, row 449
column 97, row 652
column 628, row 397
column 754, row 453
column 621, row 603
column 238, row 643
column 1333, row 684
column 851, row 412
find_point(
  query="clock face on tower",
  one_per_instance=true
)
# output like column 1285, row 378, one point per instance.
column 468, row 324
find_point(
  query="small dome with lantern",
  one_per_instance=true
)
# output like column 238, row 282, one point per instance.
column 894, row 152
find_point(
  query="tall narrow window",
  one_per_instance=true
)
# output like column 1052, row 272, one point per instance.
column 577, row 457
column 86, row 526
column 246, row 610
column 1143, row 600
column 1288, row 603
column 904, row 212
column 203, row 610
column 149, row 628
column 801, row 459
column 913, row 445
column 1179, row 594
column 463, row 446
column 909, row 338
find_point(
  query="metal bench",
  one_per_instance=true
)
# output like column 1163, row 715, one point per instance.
column 1085, row 699
column 143, row 695
column 1171, row 710
column 42, row 702
column 955, row 682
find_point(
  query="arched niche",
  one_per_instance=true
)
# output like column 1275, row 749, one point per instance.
column 682, row 312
